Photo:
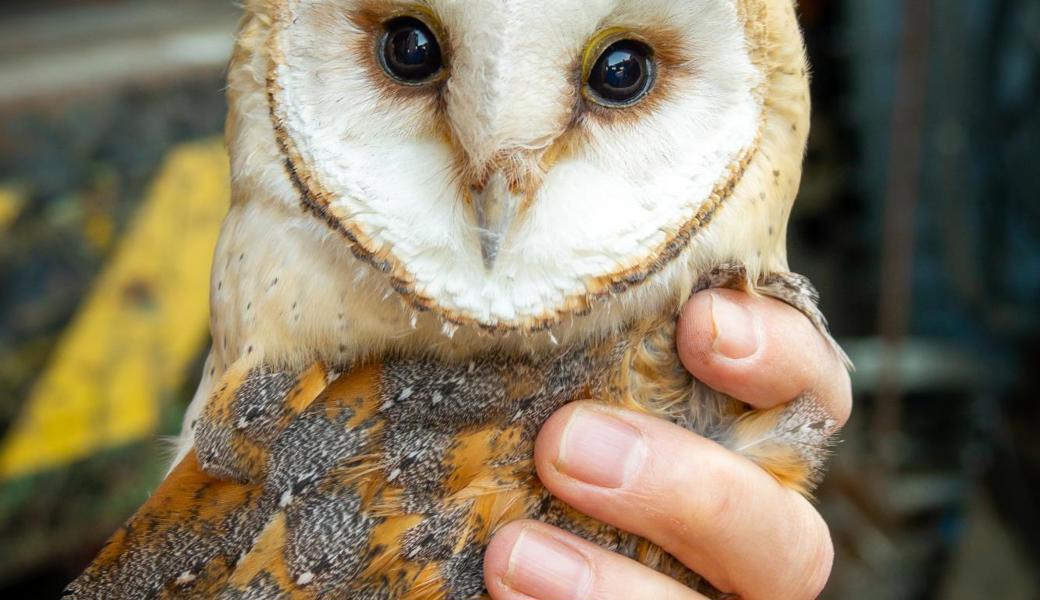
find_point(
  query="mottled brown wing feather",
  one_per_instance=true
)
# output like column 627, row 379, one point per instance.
column 389, row 480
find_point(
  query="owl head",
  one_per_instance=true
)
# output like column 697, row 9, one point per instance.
column 507, row 163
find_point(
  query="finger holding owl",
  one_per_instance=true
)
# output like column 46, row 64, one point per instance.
column 722, row 519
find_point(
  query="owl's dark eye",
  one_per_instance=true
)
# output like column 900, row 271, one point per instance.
column 409, row 51
column 623, row 73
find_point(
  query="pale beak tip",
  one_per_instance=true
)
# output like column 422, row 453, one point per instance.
column 489, row 244
column 495, row 206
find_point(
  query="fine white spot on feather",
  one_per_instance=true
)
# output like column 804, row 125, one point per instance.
column 305, row 578
column 286, row 499
column 185, row 578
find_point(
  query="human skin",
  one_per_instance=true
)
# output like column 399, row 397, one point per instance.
column 717, row 512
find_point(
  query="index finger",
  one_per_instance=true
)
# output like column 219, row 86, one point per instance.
column 760, row 351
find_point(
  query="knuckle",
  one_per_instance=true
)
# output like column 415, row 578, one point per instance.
column 714, row 508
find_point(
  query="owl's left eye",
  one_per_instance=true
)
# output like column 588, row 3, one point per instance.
column 409, row 51
column 622, row 74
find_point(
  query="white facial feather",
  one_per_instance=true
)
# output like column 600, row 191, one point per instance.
column 608, row 205
column 604, row 204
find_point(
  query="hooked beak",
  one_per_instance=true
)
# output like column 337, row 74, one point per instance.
column 496, row 206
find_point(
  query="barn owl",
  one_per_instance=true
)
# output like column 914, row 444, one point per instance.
column 449, row 219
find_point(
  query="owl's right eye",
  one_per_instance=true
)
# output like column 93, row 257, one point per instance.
column 409, row 51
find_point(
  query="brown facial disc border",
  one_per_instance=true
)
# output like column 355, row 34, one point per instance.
column 318, row 201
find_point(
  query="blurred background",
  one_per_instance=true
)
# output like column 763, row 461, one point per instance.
column 919, row 220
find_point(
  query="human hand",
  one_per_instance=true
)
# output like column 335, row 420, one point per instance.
column 715, row 511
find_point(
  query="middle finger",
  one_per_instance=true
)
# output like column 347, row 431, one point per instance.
column 717, row 512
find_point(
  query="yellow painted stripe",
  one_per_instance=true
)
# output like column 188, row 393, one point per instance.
column 12, row 201
column 136, row 335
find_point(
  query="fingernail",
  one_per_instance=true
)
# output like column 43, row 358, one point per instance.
column 546, row 569
column 599, row 449
column 734, row 333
